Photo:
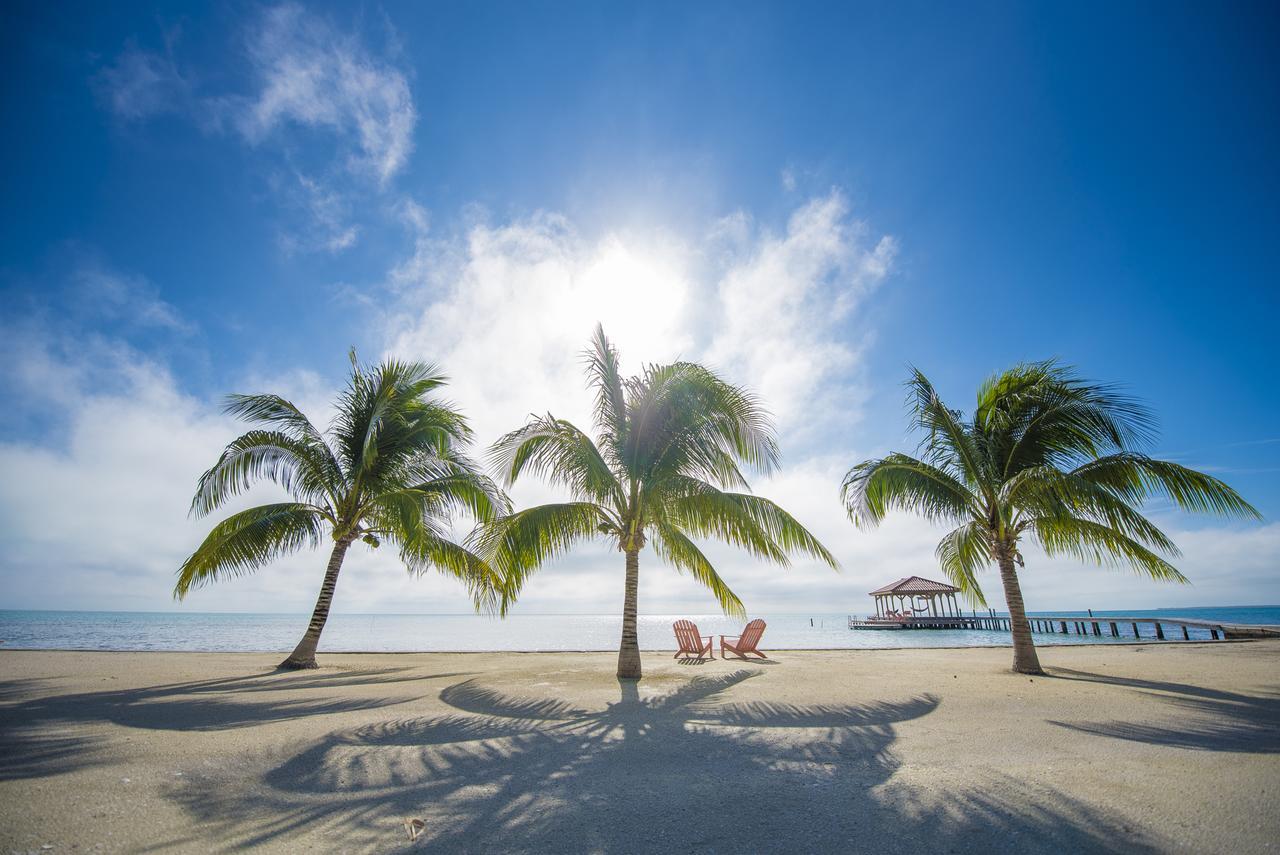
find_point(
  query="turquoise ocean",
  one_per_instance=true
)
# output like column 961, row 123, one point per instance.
column 193, row 631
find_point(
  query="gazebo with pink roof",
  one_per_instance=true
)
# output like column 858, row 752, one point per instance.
column 920, row 596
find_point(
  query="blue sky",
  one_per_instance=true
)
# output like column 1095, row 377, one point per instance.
column 811, row 197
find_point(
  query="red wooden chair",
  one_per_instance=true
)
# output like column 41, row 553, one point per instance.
column 745, row 643
column 690, row 641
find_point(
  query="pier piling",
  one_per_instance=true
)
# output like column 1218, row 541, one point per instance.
column 1067, row 624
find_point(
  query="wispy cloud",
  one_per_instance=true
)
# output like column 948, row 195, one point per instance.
column 326, row 216
column 309, row 73
column 784, row 301
column 308, row 84
column 1267, row 441
column 131, row 300
column 139, row 84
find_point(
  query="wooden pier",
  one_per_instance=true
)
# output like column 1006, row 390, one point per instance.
column 1157, row 628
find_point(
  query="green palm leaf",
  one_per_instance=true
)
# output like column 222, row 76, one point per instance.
column 518, row 544
column 752, row 523
column 245, row 541
column 560, row 453
column 297, row 466
column 901, row 482
column 683, row 554
column 961, row 554
column 1100, row 544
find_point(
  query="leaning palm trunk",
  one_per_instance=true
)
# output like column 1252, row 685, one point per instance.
column 304, row 655
column 1025, row 660
column 629, row 647
column 1044, row 456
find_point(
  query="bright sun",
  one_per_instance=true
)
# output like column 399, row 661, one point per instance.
column 641, row 296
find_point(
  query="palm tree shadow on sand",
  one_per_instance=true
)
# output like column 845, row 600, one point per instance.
column 42, row 733
column 688, row 770
column 1208, row 720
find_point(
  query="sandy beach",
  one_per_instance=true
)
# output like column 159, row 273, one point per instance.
column 1171, row 747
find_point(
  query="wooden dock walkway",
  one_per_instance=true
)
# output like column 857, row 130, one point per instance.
column 1099, row 626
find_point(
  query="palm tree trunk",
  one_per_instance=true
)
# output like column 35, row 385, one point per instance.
column 1025, row 660
column 304, row 655
column 629, row 649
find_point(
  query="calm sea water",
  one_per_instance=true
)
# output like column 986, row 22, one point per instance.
column 353, row 632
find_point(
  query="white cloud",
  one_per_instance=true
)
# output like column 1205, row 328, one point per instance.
column 94, row 514
column 508, row 309
column 311, row 86
column 310, row 73
column 93, row 509
column 784, row 300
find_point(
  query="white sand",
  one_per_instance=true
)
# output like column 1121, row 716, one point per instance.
column 1170, row 747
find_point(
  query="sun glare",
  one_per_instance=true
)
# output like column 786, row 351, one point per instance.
column 641, row 296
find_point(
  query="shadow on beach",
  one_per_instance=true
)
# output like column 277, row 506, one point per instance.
column 40, row 732
column 688, row 770
column 1208, row 719
column 205, row 704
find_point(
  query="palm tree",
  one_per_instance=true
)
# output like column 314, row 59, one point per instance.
column 668, row 444
column 1047, row 457
column 391, row 467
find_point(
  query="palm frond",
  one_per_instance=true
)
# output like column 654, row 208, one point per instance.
column 1044, row 491
column 748, row 522
column 298, row 466
column 403, row 514
column 686, row 419
column 385, row 412
column 605, row 378
column 1042, row 413
column 245, row 541
column 1094, row 542
column 428, row 550
column 962, row 553
column 1136, row 477
column 901, row 482
column 947, row 441
column 673, row 546
column 457, row 481
column 560, row 453
column 518, row 544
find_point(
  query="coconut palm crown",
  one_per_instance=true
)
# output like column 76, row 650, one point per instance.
column 390, row 468
column 668, row 450
column 1045, row 457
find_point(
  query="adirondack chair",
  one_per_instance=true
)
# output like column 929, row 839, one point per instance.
column 745, row 643
column 690, row 641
